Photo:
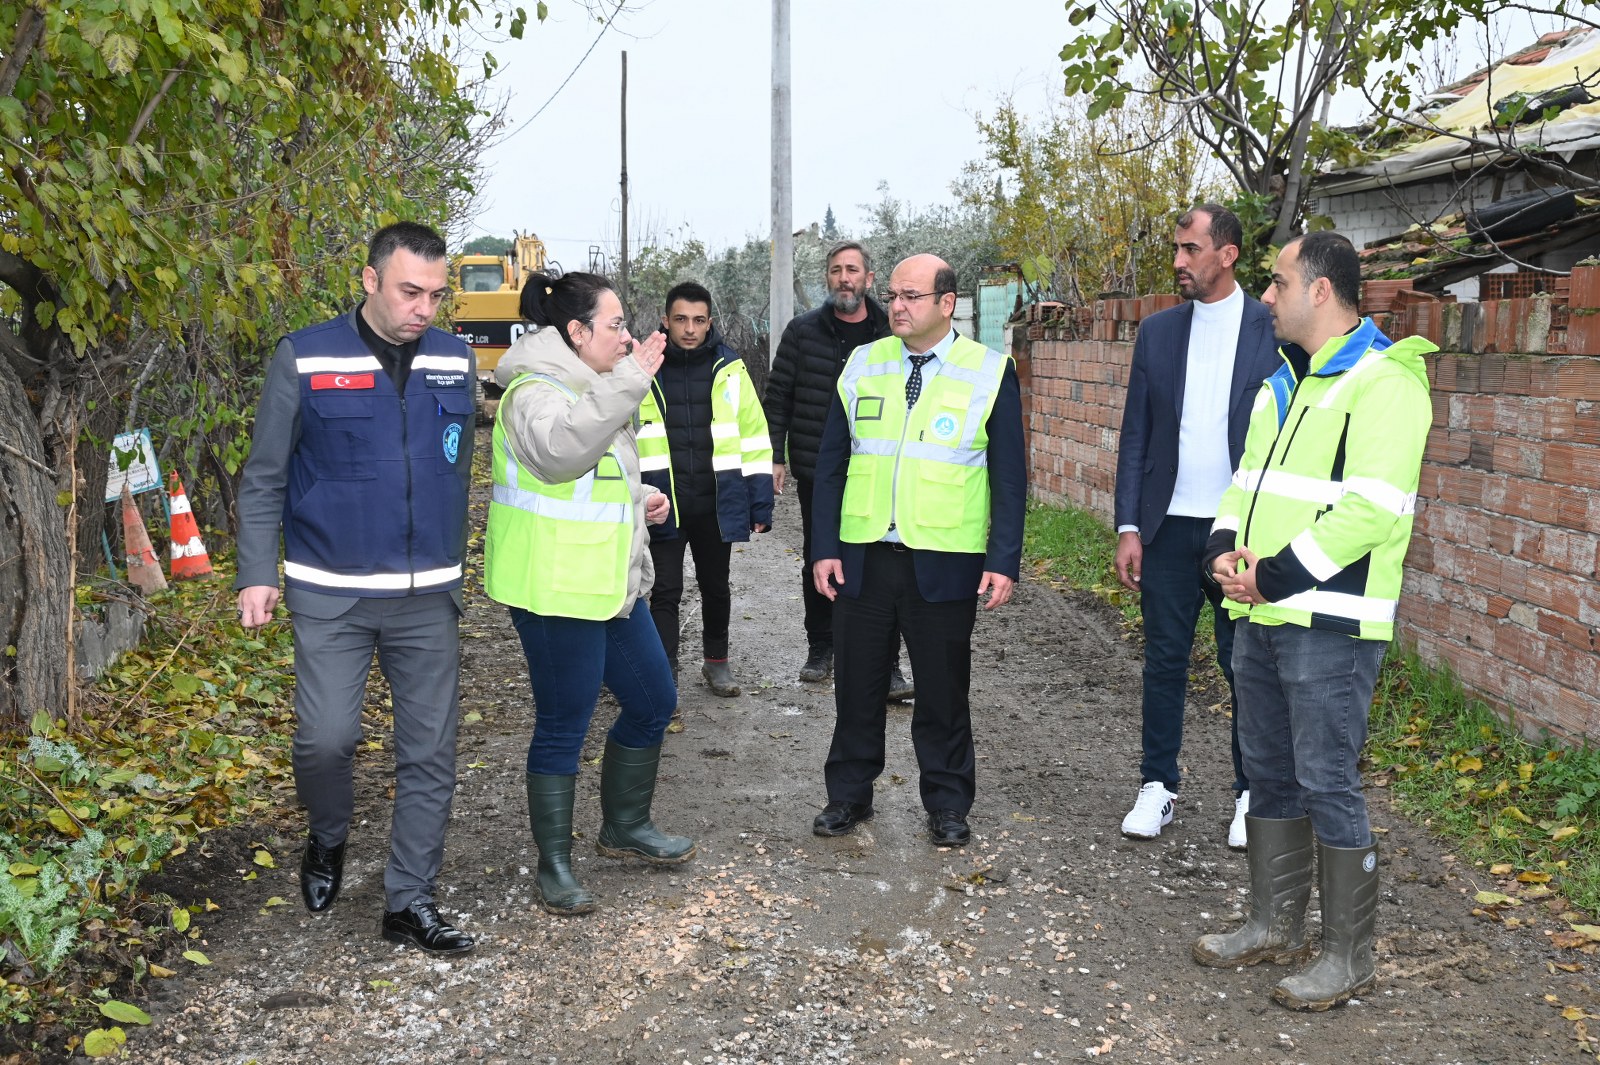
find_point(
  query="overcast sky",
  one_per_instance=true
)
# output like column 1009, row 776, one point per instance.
column 881, row 91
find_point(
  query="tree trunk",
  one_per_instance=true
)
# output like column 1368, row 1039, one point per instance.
column 35, row 564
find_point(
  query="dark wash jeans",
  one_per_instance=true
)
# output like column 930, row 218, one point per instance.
column 568, row 658
column 1171, row 592
column 1304, row 699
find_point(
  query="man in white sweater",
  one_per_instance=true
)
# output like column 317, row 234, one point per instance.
column 1195, row 372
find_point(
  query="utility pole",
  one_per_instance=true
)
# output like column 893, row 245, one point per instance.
column 781, row 293
column 624, row 278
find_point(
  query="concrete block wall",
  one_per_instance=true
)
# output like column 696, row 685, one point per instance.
column 1376, row 214
column 1503, row 577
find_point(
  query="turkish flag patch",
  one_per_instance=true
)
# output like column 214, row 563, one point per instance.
column 320, row 381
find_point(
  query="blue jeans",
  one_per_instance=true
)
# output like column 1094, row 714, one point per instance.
column 1171, row 593
column 569, row 658
column 1304, row 699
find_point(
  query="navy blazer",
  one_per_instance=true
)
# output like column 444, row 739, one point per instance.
column 942, row 576
column 1147, row 453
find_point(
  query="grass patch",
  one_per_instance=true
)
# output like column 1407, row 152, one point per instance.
column 187, row 732
column 1528, row 811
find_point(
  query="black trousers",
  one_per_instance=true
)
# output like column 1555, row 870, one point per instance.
column 819, row 609
column 702, row 537
column 939, row 639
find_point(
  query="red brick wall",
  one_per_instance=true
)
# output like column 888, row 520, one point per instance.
column 1501, row 579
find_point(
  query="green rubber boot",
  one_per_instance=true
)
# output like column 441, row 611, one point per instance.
column 627, row 786
column 1347, row 878
column 1280, row 887
column 550, row 815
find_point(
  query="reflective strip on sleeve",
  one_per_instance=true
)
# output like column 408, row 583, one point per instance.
column 1226, row 523
column 1313, row 558
column 652, row 463
column 756, row 466
column 652, row 431
column 1383, row 494
column 1298, row 486
column 724, row 462
column 338, row 364
column 756, row 443
column 722, row 430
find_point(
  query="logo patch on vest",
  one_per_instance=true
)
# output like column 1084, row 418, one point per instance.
column 944, row 427
column 444, row 380
column 319, row 381
column 452, row 441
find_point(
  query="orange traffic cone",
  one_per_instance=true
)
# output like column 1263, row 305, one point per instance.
column 144, row 572
column 189, row 558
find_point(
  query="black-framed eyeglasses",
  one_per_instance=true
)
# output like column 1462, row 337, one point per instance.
column 908, row 297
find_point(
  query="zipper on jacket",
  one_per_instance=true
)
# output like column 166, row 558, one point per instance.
column 1255, row 493
column 1297, row 423
column 411, row 519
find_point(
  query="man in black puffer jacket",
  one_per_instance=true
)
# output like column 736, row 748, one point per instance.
column 805, row 373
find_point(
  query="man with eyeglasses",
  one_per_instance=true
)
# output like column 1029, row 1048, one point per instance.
column 921, row 486
column 805, row 371
column 703, row 440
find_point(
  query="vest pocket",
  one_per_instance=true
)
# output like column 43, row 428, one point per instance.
column 340, row 432
column 588, row 553
column 859, row 487
column 941, row 499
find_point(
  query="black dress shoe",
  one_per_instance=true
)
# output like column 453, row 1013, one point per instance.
column 837, row 818
column 948, row 828
column 419, row 925
column 321, row 874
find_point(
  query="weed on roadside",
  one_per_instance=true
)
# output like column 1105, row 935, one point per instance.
column 187, row 732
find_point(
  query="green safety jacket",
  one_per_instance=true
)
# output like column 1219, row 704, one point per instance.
column 741, row 453
column 1327, row 488
column 561, row 550
column 926, row 471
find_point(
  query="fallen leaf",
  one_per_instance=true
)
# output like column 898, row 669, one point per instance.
column 180, row 919
column 1501, row 868
column 104, row 1042
column 125, row 1012
column 1530, row 876
column 1591, row 931
column 1495, row 898
column 196, row 957
column 1564, row 832
column 264, row 859
column 161, row 972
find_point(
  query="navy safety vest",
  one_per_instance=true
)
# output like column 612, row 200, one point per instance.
column 376, row 505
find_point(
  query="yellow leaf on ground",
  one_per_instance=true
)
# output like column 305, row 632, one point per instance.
column 161, row 971
column 1589, row 931
column 1469, row 764
column 1501, row 868
column 1512, row 811
column 264, row 859
column 1564, row 832
column 1529, row 876
column 1495, row 898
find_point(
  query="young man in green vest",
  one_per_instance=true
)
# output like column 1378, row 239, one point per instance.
column 920, row 493
column 1308, row 548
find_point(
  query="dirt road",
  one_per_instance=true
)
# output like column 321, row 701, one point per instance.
column 1049, row 938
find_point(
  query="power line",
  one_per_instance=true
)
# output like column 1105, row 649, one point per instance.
column 569, row 77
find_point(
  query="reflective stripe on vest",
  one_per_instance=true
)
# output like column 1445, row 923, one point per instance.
column 927, row 468
column 562, row 550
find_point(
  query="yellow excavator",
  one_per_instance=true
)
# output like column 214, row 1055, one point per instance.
column 487, row 311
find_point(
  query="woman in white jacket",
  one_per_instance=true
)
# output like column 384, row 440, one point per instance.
column 566, row 551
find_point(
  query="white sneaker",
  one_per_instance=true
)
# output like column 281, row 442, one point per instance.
column 1151, row 812
column 1236, row 835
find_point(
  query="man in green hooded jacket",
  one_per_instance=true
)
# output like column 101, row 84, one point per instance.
column 1308, row 548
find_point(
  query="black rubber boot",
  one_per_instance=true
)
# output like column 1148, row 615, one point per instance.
column 1347, row 880
column 1280, row 887
column 550, row 816
column 627, row 787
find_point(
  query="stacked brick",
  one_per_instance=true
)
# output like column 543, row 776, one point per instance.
column 1503, row 578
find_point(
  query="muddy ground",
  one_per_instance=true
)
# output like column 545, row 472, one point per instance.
column 1049, row 938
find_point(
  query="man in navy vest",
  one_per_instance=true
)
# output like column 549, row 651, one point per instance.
column 361, row 458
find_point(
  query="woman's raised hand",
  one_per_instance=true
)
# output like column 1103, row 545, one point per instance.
column 650, row 352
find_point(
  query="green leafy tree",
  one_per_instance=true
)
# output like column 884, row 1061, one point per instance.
column 1086, row 206
column 179, row 181
column 488, row 245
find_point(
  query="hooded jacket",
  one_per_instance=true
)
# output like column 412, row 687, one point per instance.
column 1326, row 492
column 559, row 440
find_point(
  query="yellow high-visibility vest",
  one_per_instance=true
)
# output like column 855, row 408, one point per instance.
column 561, row 550
column 928, row 468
